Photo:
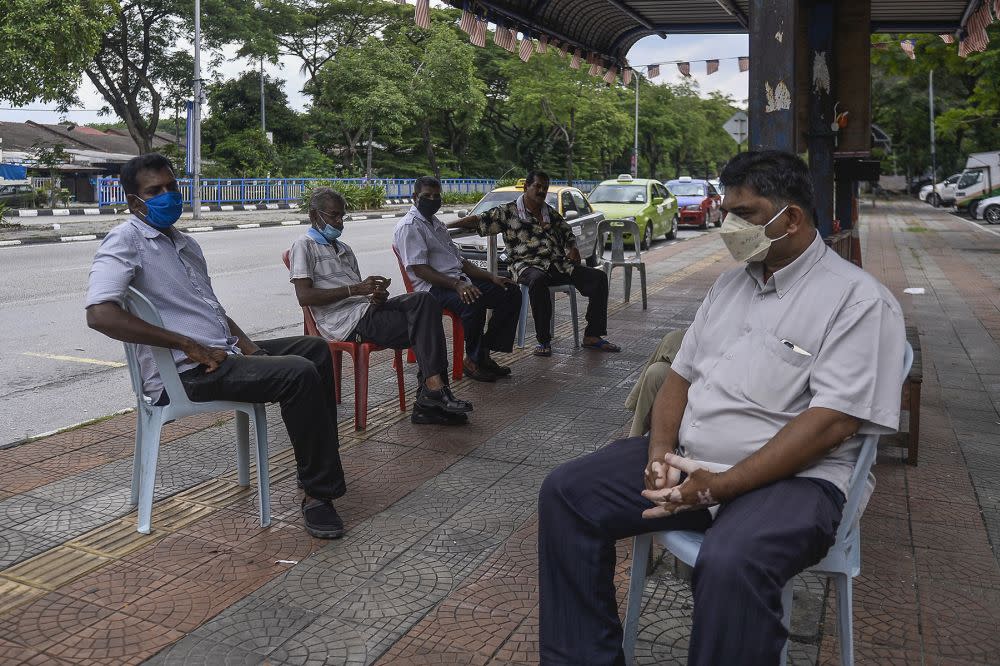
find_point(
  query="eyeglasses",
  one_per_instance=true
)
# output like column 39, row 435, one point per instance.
column 333, row 215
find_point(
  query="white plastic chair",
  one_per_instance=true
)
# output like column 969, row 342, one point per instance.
column 522, row 323
column 842, row 562
column 617, row 230
column 151, row 418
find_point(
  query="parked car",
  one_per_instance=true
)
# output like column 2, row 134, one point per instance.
column 700, row 203
column 988, row 210
column 647, row 202
column 944, row 192
column 570, row 203
column 17, row 194
column 980, row 180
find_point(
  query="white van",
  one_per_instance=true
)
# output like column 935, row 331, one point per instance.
column 944, row 192
column 980, row 180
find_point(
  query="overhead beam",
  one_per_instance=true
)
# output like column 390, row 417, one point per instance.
column 631, row 13
column 733, row 10
column 938, row 27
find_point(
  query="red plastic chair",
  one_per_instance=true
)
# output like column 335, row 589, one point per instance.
column 457, row 332
column 360, row 353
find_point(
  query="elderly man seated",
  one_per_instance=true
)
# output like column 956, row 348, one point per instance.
column 327, row 280
column 215, row 358
column 790, row 358
column 436, row 267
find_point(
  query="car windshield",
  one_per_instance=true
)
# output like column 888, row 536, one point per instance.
column 680, row 189
column 618, row 194
column 494, row 199
column 970, row 178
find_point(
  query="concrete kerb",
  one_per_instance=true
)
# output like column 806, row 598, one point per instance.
column 118, row 210
column 354, row 217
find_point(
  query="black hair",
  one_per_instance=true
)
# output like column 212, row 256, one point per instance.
column 149, row 162
column 424, row 181
column 776, row 175
column 322, row 193
column 533, row 174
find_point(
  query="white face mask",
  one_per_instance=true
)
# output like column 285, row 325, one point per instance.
column 746, row 241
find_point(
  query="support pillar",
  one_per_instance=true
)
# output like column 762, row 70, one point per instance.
column 773, row 33
column 820, row 138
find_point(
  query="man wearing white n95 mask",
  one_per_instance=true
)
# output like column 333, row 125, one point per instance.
column 791, row 357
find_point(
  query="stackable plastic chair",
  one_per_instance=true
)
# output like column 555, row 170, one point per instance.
column 842, row 562
column 522, row 323
column 360, row 353
column 457, row 332
column 617, row 230
column 151, row 418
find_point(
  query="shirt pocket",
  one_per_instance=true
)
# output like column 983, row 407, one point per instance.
column 777, row 376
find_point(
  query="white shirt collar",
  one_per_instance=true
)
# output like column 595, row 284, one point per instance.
column 522, row 212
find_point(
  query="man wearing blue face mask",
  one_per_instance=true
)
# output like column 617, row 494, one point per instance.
column 215, row 358
column 328, row 281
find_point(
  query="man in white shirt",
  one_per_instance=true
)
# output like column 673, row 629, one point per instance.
column 328, row 281
column 790, row 359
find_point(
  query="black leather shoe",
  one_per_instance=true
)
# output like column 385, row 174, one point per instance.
column 480, row 374
column 444, row 400
column 436, row 417
column 321, row 519
column 489, row 365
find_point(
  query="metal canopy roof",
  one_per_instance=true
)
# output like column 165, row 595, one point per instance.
column 611, row 27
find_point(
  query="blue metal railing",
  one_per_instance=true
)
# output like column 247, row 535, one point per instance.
column 249, row 191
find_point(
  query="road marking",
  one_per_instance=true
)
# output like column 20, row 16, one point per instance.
column 249, row 225
column 290, row 223
column 977, row 225
column 28, row 213
column 225, row 208
column 9, row 243
column 199, row 229
column 77, row 359
column 390, row 215
column 91, row 211
column 271, row 206
column 61, row 211
column 69, row 239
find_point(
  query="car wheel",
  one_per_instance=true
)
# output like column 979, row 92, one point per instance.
column 718, row 220
column 971, row 209
column 647, row 236
column 934, row 200
column 992, row 214
column 672, row 231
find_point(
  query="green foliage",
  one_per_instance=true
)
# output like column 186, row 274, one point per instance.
column 247, row 154
column 307, row 161
column 453, row 198
column 357, row 197
column 235, row 106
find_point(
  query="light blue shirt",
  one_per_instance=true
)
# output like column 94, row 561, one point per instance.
column 171, row 272
column 420, row 241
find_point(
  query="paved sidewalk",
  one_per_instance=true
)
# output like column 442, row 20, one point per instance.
column 439, row 564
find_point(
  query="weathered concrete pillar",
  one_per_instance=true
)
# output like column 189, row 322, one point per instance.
column 773, row 35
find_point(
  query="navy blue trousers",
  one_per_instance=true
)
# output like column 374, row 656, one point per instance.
column 756, row 544
column 499, row 333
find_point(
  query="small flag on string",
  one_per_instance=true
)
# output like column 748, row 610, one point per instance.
column 611, row 75
column 563, row 50
column 468, row 22
column 744, row 64
column 947, row 39
column 627, row 76
column 526, row 49
column 976, row 38
column 652, row 71
column 595, row 69
column 510, row 41
column 711, row 67
column 880, row 46
column 478, row 36
column 907, row 46
column 543, row 43
column 575, row 62
column 422, row 14
column 684, row 68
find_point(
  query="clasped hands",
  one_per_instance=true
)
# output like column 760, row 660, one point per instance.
column 700, row 489
column 375, row 286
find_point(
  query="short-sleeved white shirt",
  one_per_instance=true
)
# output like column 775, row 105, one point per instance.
column 747, row 383
column 329, row 266
column 420, row 241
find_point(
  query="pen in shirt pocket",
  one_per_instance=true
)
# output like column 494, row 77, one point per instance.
column 794, row 347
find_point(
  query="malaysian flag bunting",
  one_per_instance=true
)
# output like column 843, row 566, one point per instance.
column 684, row 68
column 907, row 46
column 880, row 46
column 652, row 71
column 627, row 76
column 610, row 77
column 563, row 49
column 422, row 15
column 468, row 22
column 744, row 64
column 711, row 67
column 543, row 43
column 526, row 49
column 595, row 69
column 478, row 36
column 510, row 41
column 575, row 62
column 947, row 39
column 976, row 38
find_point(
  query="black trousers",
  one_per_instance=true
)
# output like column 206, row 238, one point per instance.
column 298, row 374
column 411, row 320
column 590, row 282
column 499, row 334
column 756, row 544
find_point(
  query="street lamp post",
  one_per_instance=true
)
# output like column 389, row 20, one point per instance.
column 635, row 144
column 263, row 115
column 196, row 119
column 930, row 94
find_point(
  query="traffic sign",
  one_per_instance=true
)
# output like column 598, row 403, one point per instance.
column 737, row 126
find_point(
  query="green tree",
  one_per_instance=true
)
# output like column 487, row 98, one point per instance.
column 235, row 106
column 48, row 156
column 45, row 45
column 247, row 154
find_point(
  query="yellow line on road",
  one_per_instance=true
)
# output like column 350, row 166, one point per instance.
column 77, row 359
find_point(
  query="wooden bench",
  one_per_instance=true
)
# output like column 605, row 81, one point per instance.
column 909, row 426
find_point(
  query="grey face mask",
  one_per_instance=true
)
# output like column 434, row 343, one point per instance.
column 745, row 241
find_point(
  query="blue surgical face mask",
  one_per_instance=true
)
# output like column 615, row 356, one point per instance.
column 331, row 233
column 163, row 210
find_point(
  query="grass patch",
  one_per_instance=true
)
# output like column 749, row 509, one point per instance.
column 916, row 229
